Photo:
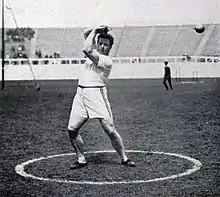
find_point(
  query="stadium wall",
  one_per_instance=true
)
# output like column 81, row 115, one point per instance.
column 123, row 68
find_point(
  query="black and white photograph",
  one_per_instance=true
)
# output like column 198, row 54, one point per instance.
column 115, row 98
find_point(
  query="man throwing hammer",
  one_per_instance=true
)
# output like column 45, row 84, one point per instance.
column 91, row 99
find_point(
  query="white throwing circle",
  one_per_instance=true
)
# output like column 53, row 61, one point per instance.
column 196, row 166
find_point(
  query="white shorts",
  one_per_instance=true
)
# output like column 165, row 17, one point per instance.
column 90, row 103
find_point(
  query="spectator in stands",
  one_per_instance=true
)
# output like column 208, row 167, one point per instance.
column 58, row 54
column 167, row 76
column 36, row 53
column 186, row 56
column 40, row 54
column 7, row 55
column 55, row 55
column 13, row 53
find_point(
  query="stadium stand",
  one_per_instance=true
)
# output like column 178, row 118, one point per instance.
column 186, row 42
column 66, row 41
column 162, row 41
column 130, row 41
column 212, row 47
column 117, row 33
column 49, row 40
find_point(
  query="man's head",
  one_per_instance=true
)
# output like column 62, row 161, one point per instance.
column 166, row 62
column 104, row 43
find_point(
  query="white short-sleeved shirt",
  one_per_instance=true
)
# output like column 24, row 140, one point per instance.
column 95, row 75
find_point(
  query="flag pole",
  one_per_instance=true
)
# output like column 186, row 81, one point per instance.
column 3, row 48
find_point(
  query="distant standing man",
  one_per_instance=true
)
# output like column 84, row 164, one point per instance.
column 91, row 99
column 167, row 76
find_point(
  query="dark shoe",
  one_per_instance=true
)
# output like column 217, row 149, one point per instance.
column 77, row 165
column 128, row 163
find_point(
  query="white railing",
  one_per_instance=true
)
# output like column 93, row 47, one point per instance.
column 116, row 60
column 123, row 68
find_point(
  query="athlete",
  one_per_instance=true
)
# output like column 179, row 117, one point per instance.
column 91, row 99
column 167, row 76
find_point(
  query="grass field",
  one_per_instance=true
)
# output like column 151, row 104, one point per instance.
column 185, row 121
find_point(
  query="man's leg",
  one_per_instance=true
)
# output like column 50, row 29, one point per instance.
column 170, row 83
column 165, row 84
column 116, row 140
column 76, row 140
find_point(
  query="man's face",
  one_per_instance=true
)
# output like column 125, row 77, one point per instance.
column 166, row 64
column 103, row 46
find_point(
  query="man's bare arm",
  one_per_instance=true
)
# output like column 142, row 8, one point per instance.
column 89, row 44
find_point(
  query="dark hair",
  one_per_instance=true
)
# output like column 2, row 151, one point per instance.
column 107, row 36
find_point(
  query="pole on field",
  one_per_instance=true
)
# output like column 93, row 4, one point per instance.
column 3, row 48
